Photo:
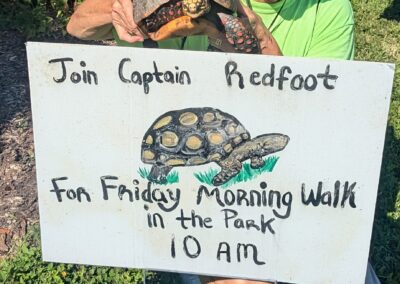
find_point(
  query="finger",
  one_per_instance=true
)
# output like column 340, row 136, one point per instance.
column 125, row 36
column 127, row 7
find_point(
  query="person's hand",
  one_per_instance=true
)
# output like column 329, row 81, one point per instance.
column 122, row 19
column 268, row 44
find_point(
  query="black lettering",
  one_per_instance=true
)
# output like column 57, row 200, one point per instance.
column 136, row 78
column 175, row 199
column 123, row 190
column 230, row 69
column 71, row 194
column 226, row 251
column 182, row 76
column 245, row 253
column 313, row 85
column 349, row 194
column 63, row 68
column 105, row 186
column 157, row 74
column 300, row 83
column 215, row 191
column 267, row 224
column 253, row 77
column 90, row 75
column 313, row 198
column 270, row 76
column 147, row 78
column 81, row 191
column 121, row 69
column 326, row 77
column 56, row 189
column 185, row 247
column 169, row 77
column 173, row 253
column 227, row 217
column 282, row 77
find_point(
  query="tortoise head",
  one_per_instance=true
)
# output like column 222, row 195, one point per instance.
column 195, row 8
column 271, row 143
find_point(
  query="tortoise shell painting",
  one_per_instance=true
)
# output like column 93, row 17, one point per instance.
column 197, row 136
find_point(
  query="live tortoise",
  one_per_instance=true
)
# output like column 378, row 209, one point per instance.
column 196, row 136
column 151, row 15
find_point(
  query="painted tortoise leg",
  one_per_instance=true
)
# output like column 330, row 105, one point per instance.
column 228, row 171
column 158, row 174
column 257, row 162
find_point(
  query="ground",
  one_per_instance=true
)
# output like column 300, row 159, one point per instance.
column 18, row 198
column 378, row 39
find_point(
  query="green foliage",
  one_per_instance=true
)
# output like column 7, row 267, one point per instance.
column 26, row 267
column 378, row 39
column 34, row 19
column 172, row 177
column 246, row 174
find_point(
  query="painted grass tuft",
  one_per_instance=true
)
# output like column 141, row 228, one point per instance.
column 246, row 174
column 172, row 177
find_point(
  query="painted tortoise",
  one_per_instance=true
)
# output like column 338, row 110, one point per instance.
column 196, row 136
column 152, row 15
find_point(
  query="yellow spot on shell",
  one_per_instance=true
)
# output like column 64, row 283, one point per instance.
column 208, row 117
column 237, row 139
column 162, row 122
column 149, row 140
column 215, row 138
column 148, row 155
column 228, row 148
column 215, row 157
column 188, row 118
column 232, row 129
column 197, row 161
column 169, row 139
column 194, row 142
column 175, row 162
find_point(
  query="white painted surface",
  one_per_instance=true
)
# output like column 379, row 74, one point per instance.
column 87, row 131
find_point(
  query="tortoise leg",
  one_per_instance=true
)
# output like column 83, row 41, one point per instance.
column 257, row 162
column 158, row 174
column 229, row 169
column 239, row 35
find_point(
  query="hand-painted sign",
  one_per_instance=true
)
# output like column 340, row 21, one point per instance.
column 220, row 164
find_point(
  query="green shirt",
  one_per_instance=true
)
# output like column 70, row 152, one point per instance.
column 304, row 28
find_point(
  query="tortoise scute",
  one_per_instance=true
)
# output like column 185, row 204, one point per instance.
column 149, row 140
column 148, row 155
column 162, row 122
column 215, row 138
column 208, row 117
column 188, row 118
column 194, row 142
column 175, row 162
column 169, row 139
column 143, row 9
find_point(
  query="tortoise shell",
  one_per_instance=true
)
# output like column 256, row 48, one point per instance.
column 144, row 8
column 192, row 136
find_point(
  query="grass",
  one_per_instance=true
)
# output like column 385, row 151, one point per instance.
column 172, row 177
column 246, row 174
column 378, row 39
column 26, row 266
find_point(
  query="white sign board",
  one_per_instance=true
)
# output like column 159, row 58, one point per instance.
column 261, row 167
